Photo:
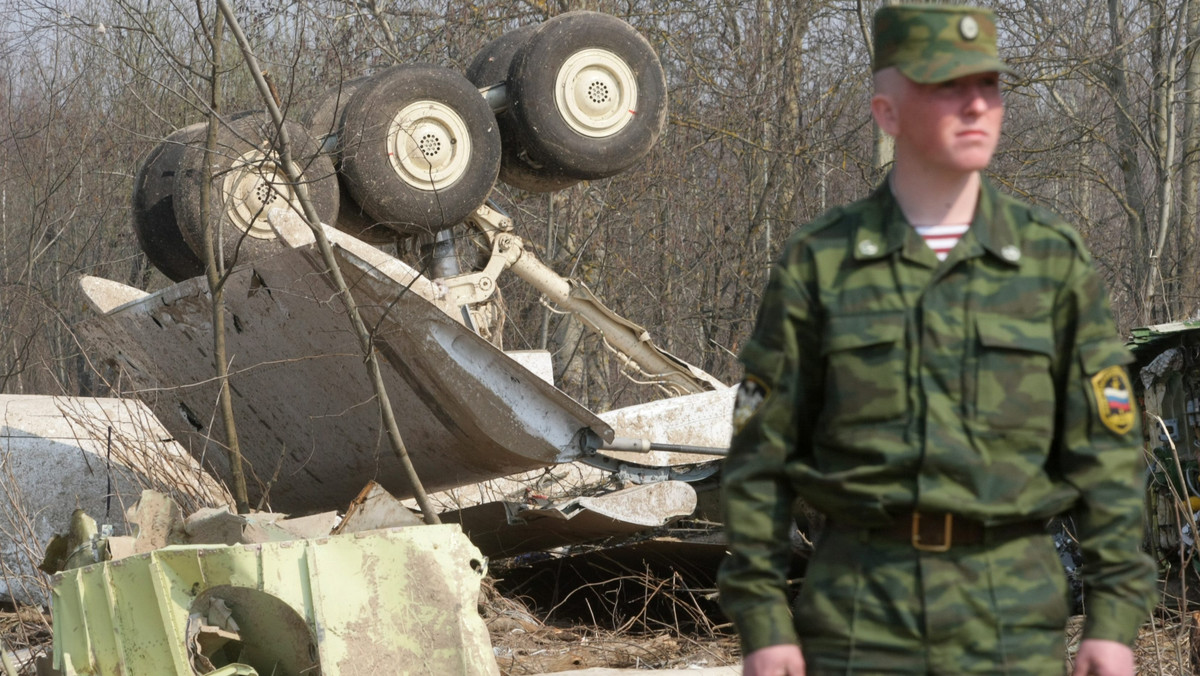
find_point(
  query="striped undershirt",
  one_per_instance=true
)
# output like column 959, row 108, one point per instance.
column 942, row 238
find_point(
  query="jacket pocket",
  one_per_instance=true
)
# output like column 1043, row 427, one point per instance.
column 1014, row 384
column 865, row 370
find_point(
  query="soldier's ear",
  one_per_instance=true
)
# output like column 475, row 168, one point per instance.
column 883, row 109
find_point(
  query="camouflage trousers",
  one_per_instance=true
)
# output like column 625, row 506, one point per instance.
column 875, row 606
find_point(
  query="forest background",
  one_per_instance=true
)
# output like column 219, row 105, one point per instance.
column 768, row 127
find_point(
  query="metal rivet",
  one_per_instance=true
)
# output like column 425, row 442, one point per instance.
column 868, row 248
column 1011, row 253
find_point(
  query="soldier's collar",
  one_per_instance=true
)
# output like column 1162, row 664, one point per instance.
column 886, row 233
column 994, row 227
column 880, row 234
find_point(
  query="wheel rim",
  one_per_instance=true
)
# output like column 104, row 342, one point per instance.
column 254, row 185
column 596, row 92
column 429, row 145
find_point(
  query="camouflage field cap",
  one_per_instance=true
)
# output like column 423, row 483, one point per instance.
column 935, row 43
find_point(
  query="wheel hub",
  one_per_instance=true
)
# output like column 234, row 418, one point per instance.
column 254, row 185
column 596, row 92
column 429, row 145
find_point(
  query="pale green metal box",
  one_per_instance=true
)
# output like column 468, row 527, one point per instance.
column 394, row 601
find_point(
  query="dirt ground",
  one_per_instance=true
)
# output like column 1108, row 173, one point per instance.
column 523, row 645
column 550, row 650
column 1162, row 650
column 1164, row 646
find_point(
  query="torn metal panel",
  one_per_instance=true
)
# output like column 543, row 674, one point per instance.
column 1168, row 387
column 367, row 603
column 157, row 522
column 539, row 362
column 375, row 508
column 62, row 453
column 222, row 527
column 511, row 528
column 7, row 663
column 702, row 419
column 302, row 400
column 468, row 380
column 1168, row 382
column 1152, row 338
column 106, row 295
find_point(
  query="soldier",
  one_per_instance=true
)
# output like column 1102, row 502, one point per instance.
column 935, row 368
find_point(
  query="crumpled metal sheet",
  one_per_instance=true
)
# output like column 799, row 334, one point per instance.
column 511, row 528
column 381, row 602
column 62, row 453
column 302, row 400
column 701, row 419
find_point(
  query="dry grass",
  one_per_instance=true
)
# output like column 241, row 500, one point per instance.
column 526, row 645
column 23, row 549
column 639, row 621
column 551, row 650
column 634, row 619
column 24, row 628
column 663, row 634
column 134, row 456
column 135, row 439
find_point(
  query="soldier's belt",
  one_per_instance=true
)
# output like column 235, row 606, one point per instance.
column 939, row 531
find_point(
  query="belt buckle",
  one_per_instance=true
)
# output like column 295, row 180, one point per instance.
column 947, row 529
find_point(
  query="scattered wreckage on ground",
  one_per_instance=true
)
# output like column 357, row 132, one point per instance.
column 1168, row 385
column 514, row 465
column 517, row 469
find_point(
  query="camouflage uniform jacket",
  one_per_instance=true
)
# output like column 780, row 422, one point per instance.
column 990, row 385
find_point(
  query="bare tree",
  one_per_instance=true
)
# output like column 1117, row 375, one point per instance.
column 769, row 126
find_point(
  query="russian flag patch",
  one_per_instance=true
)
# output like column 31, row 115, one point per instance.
column 1114, row 399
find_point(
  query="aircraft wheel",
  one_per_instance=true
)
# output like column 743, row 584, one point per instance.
column 420, row 148
column 588, row 95
column 247, row 179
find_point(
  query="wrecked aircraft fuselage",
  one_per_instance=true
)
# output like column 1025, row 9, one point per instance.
column 308, row 427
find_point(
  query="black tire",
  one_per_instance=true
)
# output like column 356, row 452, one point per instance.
column 352, row 220
column 588, row 95
column 395, row 125
column 247, row 180
column 324, row 117
column 153, row 208
column 490, row 67
column 491, row 63
column 324, row 121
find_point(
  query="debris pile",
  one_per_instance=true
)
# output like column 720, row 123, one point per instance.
column 58, row 454
column 213, row 592
column 222, row 593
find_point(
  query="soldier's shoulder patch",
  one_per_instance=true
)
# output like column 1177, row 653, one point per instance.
column 750, row 396
column 1114, row 399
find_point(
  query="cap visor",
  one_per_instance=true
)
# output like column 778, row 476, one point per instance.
column 932, row 73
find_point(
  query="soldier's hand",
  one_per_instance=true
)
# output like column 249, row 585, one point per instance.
column 776, row 660
column 1098, row 657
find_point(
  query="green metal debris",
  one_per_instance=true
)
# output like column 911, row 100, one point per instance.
column 6, row 662
column 1143, row 336
column 392, row 601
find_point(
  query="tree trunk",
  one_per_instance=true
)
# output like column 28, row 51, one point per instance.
column 1189, row 179
column 1127, row 157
